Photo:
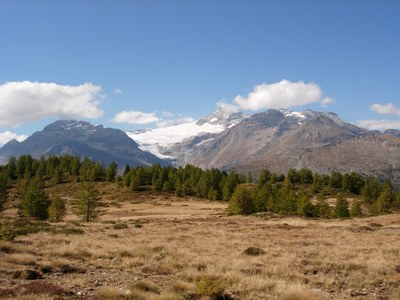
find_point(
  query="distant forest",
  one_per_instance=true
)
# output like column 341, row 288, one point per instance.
column 299, row 192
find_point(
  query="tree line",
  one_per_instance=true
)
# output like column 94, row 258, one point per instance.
column 298, row 192
column 304, row 193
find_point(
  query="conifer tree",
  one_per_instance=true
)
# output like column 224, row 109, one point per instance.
column 242, row 201
column 263, row 177
column 136, row 183
column 111, row 171
column 3, row 190
column 355, row 210
column 57, row 209
column 324, row 210
column 11, row 168
column 88, row 202
column 383, row 203
column 341, row 208
column 178, row 188
column 57, row 175
column 35, row 202
column 371, row 190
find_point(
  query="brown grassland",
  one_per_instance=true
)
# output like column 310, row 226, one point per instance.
column 158, row 246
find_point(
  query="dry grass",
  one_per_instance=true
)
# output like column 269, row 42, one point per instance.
column 189, row 248
column 21, row 259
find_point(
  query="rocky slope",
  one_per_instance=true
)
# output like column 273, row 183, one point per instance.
column 282, row 139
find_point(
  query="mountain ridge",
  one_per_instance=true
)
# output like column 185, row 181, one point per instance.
column 82, row 139
column 281, row 139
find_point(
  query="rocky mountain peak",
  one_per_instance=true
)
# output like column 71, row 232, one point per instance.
column 226, row 115
column 66, row 125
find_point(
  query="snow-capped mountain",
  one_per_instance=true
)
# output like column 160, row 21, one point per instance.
column 282, row 139
column 169, row 142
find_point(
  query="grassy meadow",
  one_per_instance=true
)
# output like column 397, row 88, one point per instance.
column 157, row 246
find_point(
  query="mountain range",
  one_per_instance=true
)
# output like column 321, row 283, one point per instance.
column 81, row 139
column 277, row 139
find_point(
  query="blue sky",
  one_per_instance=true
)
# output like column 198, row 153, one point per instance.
column 135, row 64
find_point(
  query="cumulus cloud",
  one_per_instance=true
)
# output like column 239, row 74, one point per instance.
column 385, row 109
column 118, row 91
column 135, row 117
column 7, row 136
column 282, row 94
column 226, row 107
column 22, row 102
column 379, row 124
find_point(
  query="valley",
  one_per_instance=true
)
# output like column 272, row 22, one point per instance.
column 152, row 245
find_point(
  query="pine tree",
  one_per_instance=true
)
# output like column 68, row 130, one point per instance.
column 3, row 190
column 383, row 203
column 371, row 190
column 303, row 202
column 111, row 171
column 341, row 208
column 323, row 208
column 355, row 210
column 57, row 209
column 263, row 177
column 178, row 188
column 126, row 180
column 96, row 172
column 242, row 201
column 135, row 183
column 336, row 180
column 87, row 204
column 57, row 175
column 306, row 176
column 35, row 202
column 232, row 180
column 11, row 168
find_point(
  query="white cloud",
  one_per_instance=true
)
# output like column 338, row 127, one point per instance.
column 22, row 102
column 226, row 107
column 385, row 109
column 282, row 94
column 166, row 123
column 326, row 101
column 118, row 91
column 379, row 124
column 7, row 136
column 135, row 117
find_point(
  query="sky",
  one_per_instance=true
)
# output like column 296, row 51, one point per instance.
column 146, row 64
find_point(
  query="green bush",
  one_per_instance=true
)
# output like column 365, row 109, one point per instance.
column 7, row 230
column 145, row 286
column 253, row 251
column 120, row 226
